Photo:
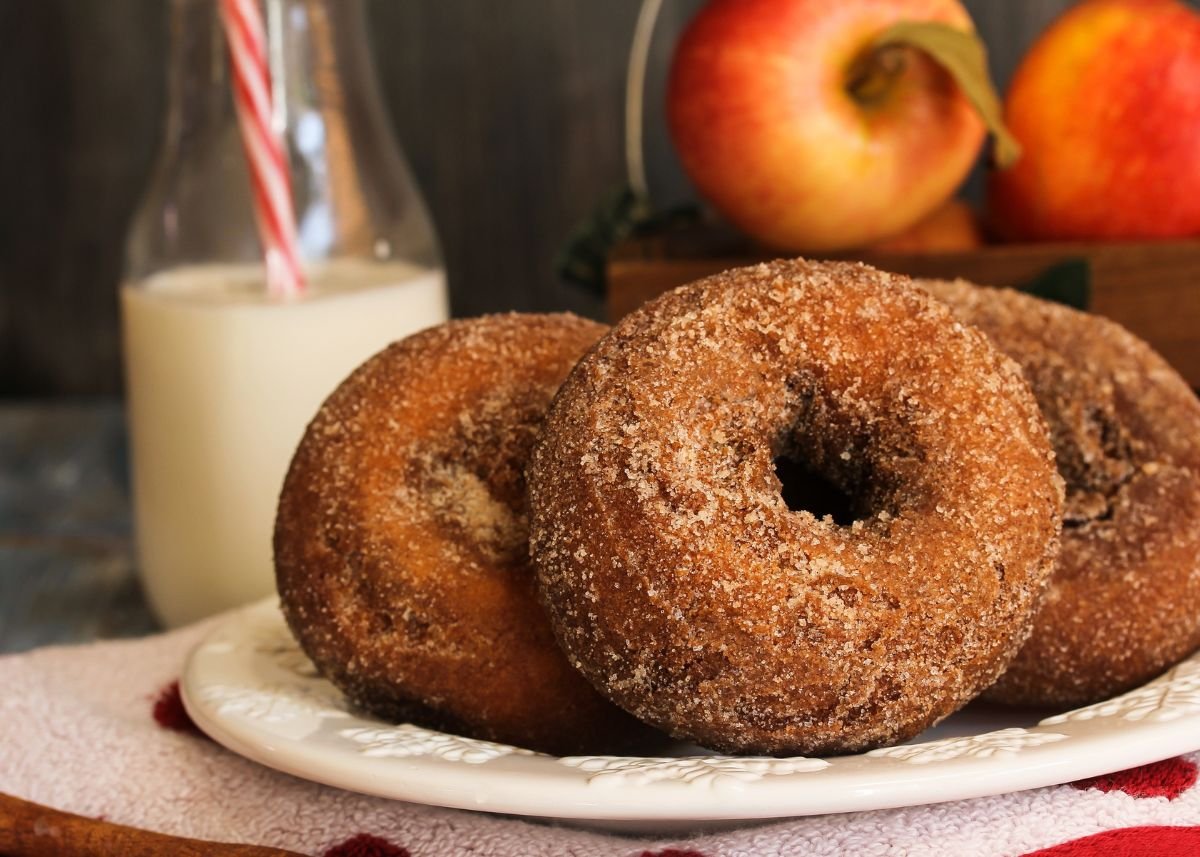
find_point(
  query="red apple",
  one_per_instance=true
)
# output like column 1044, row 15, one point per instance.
column 804, row 133
column 1107, row 107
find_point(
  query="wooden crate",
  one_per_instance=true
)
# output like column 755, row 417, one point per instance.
column 1153, row 288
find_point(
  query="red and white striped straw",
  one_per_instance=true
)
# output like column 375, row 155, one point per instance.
column 269, row 175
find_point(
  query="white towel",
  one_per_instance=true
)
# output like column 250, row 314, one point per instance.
column 77, row 734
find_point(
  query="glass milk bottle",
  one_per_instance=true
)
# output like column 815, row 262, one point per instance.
column 222, row 378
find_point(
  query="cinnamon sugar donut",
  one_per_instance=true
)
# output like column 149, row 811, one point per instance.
column 1124, row 601
column 401, row 542
column 682, row 585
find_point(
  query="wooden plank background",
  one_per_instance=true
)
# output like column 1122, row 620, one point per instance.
column 510, row 113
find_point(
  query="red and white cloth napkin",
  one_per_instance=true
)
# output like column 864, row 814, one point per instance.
column 96, row 730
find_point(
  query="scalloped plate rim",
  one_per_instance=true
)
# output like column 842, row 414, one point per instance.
column 541, row 786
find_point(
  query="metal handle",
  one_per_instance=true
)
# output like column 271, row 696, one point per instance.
column 635, row 91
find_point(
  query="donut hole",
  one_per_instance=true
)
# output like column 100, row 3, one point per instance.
column 832, row 461
column 806, row 490
column 1096, row 459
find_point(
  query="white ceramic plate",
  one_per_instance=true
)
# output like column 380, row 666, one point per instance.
column 250, row 687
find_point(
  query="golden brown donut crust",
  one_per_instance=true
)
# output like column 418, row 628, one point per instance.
column 401, row 542
column 1124, row 601
column 680, row 583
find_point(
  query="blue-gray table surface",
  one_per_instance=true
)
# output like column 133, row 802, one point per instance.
column 67, row 568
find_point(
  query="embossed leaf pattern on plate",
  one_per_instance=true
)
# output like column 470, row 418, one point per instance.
column 1004, row 742
column 1174, row 694
column 407, row 740
column 276, row 703
column 703, row 771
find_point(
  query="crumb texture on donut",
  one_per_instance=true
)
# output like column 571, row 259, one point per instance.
column 401, row 542
column 1124, row 601
column 681, row 584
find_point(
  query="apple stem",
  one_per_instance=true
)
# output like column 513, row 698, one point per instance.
column 873, row 73
column 964, row 57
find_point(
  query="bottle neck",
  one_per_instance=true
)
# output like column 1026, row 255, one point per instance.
column 316, row 56
column 352, row 193
column 198, row 92
column 319, row 57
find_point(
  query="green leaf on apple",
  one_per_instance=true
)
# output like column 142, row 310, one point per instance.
column 964, row 57
column 1068, row 282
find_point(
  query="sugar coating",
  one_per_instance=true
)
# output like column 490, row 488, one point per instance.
column 681, row 585
column 401, row 542
column 1124, row 601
